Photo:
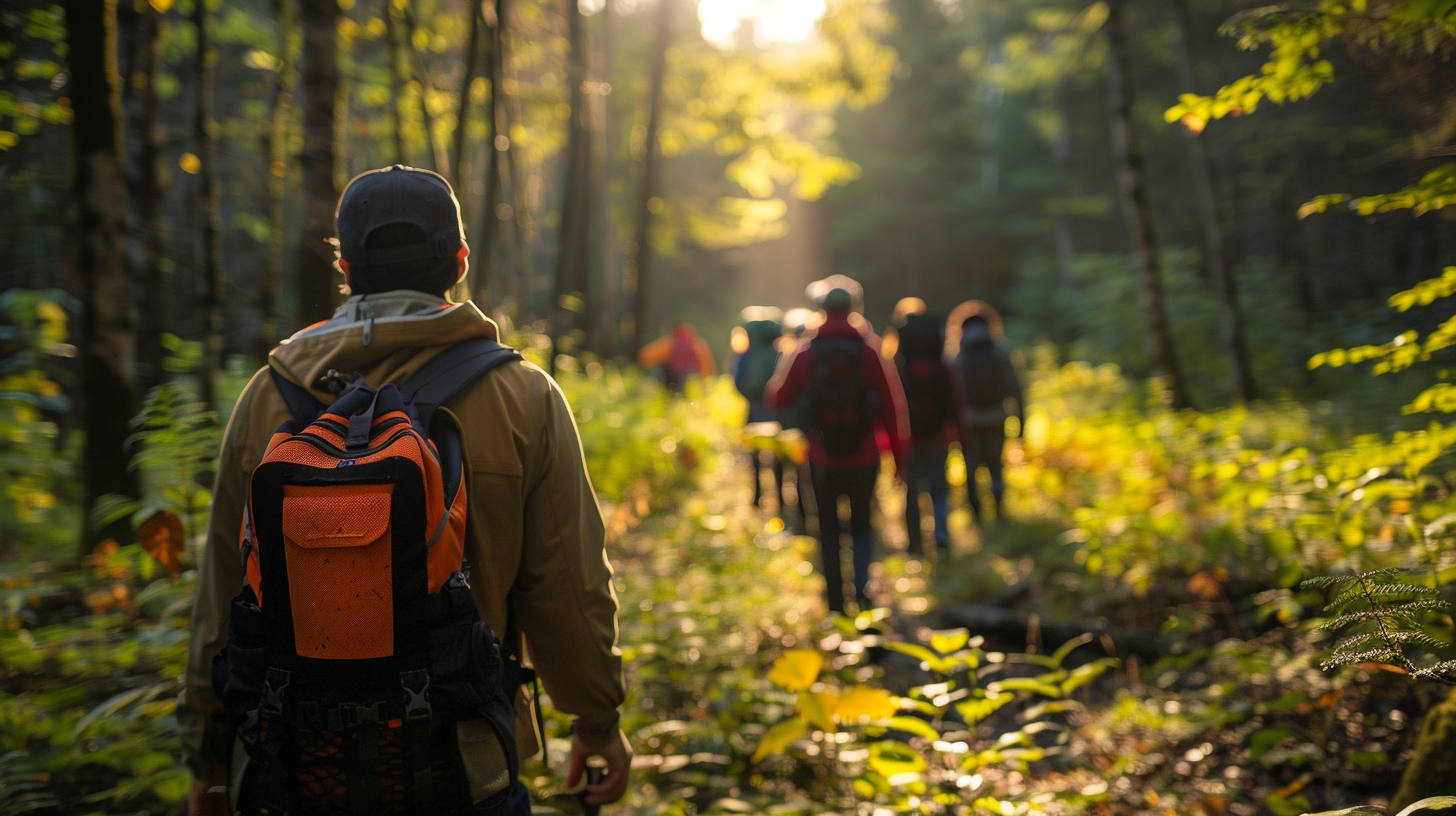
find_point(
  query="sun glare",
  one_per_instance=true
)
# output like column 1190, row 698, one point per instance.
column 772, row 21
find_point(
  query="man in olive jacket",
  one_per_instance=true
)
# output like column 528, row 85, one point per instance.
column 534, row 534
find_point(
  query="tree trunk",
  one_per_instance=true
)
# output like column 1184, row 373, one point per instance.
column 520, row 196
column 151, row 199
column 209, row 206
column 107, row 341
column 316, row 287
column 279, row 161
column 491, row 252
column 604, row 306
column 640, row 266
column 573, row 254
column 472, row 68
column 422, row 75
column 396, row 87
column 1128, row 158
column 1225, row 288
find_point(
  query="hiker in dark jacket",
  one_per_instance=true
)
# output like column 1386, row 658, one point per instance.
column 933, row 403
column 855, row 411
column 988, row 381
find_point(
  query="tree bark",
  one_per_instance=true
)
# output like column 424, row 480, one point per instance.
column 1225, row 287
column 279, row 161
column 491, row 251
column 472, row 68
column 604, row 306
column 640, row 264
column 320, row 77
column 151, row 198
column 107, row 340
column 573, row 254
column 1128, row 158
column 520, row 196
column 209, row 205
column 1434, row 765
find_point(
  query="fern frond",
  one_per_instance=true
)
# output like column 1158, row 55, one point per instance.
column 1444, row 670
column 1325, row 581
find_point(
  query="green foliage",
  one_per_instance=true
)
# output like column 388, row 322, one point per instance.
column 1386, row 617
column 175, row 445
column 35, row 456
column 925, row 752
column 31, row 54
column 1294, row 69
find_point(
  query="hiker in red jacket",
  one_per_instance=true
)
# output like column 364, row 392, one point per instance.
column 853, row 410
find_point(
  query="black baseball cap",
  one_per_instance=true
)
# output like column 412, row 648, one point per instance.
column 398, row 195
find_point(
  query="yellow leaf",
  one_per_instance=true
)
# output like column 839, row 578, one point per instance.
column 190, row 163
column 817, row 708
column 8, row 140
column 779, row 737
column 796, row 669
column 1194, row 123
column 162, row 6
column 863, row 702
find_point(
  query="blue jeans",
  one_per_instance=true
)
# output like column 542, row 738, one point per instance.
column 858, row 485
column 927, row 475
column 513, row 801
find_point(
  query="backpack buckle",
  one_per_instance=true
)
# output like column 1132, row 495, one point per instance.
column 416, row 688
column 274, row 684
column 349, row 715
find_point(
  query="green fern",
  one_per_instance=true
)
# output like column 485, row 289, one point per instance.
column 1384, row 615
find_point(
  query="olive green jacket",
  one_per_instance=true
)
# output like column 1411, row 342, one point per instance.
column 534, row 535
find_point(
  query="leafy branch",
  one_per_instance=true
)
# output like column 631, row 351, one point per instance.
column 1388, row 613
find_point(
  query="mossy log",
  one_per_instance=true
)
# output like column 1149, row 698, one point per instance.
column 1432, row 771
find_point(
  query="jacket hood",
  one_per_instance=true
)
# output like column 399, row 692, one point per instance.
column 975, row 335
column 378, row 335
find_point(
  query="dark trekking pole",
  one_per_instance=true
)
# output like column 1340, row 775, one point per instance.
column 594, row 774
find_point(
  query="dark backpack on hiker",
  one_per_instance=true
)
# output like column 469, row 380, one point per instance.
column 929, row 395
column 982, row 371
column 355, row 648
column 841, row 406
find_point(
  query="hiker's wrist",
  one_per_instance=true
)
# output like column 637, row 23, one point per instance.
column 597, row 733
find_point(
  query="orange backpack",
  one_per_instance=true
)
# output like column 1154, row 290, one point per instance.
column 354, row 647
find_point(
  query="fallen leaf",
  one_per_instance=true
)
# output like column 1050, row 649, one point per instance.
column 164, row 540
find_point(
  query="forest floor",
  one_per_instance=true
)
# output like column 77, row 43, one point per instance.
column 1185, row 699
column 1226, row 721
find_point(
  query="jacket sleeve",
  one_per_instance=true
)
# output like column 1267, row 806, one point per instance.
column 894, row 417
column 787, row 385
column 206, row 738
column 563, row 598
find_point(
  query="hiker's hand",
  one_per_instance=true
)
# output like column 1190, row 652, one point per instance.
column 203, row 801
column 618, row 755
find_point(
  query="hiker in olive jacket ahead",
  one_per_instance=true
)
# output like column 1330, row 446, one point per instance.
column 534, row 535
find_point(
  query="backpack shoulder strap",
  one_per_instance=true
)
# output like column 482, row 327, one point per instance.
column 304, row 406
column 450, row 371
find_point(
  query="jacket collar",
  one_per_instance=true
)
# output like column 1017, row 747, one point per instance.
column 377, row 336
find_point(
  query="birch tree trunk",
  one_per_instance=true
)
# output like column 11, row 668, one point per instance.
column 1129, row 161
column 107, row 340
